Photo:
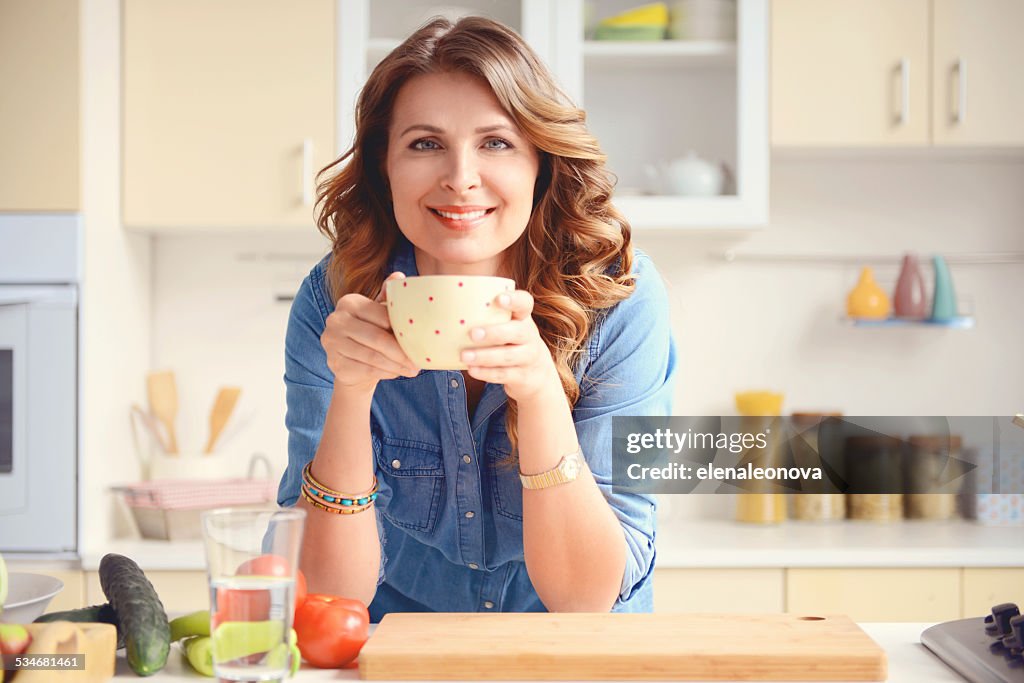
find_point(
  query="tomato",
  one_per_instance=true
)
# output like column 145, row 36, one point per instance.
column 236, row 604
column 331, row 630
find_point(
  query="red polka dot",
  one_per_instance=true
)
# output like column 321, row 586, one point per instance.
column 460, row 284
column 410, row 321
column 437, row 331
column 462, row 322
column 486, row 304
column 405, row 284
column 430, row 298
column 400, row 334
column 428, row 360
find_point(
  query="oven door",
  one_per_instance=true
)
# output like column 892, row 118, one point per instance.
column 38, row 419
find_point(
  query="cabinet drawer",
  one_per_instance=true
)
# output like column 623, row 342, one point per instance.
column 179, row 591
column 876, row 594
column 985, row 587
column 718, row 590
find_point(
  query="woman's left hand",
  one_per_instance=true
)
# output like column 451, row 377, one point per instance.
column 513, row 353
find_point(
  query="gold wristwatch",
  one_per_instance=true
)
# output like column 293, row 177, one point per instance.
column 567, row 469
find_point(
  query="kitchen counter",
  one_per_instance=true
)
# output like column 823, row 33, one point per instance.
column 727, row 544
column 909, row 661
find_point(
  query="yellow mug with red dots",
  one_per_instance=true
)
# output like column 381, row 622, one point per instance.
column 431, row 315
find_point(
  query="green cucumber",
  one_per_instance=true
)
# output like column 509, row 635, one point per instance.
column 147, row 634
column 103, row 614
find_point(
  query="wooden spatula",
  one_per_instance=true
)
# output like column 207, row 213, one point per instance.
column 163, row 403
column 223, row 406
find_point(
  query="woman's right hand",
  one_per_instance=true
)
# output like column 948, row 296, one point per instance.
column 360, row 345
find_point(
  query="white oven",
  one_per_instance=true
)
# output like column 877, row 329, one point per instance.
column 39, row 280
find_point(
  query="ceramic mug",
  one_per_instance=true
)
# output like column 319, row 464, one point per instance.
column 431, row 315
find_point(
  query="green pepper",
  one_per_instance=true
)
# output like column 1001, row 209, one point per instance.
column 199, row 652
column 195, row 624
column 235, row 639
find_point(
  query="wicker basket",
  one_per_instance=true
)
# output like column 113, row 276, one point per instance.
column 169, row 509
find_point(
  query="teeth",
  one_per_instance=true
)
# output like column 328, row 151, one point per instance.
column 469, row 215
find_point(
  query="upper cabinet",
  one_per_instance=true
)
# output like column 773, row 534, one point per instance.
column 39, row 86
column 849, row 72
column 649, row 102
column 228, row 112
column 977, row 67
column 870, row 73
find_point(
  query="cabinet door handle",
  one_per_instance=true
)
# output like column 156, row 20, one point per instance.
column 904, row 113
column 960, row 71
column 307, row 172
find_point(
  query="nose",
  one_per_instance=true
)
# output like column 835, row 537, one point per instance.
column 462, row 173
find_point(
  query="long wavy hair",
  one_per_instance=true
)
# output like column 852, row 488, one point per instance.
column 575, row 256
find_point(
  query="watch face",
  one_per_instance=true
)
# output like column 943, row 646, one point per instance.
column 572, row 466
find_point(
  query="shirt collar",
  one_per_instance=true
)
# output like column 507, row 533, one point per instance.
column 403, row 257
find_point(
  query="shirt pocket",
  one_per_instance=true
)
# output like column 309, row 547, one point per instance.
column 414, row 476
column 508, row 490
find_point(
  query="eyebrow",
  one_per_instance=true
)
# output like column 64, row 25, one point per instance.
column 435, row 129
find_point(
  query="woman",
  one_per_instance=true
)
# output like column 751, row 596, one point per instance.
column 468, row 159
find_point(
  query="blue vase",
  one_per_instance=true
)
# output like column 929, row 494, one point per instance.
column 944, row 298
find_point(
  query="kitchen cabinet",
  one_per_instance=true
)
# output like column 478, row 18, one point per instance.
column 849, row 72
column 889, row 594
column 228, row 112
column 39, row 90
column 934, row 72
column 646, row 102
column 978, row 57
column 984, row 587
column 719, row 590
column 179, row 591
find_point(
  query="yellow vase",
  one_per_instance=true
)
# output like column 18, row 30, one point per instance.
column 867, row 299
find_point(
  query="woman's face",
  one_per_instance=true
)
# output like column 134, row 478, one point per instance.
column 461, row 173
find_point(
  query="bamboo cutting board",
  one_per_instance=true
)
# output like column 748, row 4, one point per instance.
column 620, row 646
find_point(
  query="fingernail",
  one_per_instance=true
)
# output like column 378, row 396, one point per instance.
column 468, row 356
column 477, row 334
column 504, row 299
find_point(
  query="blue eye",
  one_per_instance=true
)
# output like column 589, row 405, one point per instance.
column 416, row 144
column 505, row 143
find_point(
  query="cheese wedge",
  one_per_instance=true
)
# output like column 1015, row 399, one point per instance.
column 98, row 642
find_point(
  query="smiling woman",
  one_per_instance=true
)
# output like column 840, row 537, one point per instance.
column 492, row 486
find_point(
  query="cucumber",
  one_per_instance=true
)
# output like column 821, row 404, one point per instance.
column 103, row 614
column 147, row 634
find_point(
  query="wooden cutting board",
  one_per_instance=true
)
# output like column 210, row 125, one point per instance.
column 659, row 646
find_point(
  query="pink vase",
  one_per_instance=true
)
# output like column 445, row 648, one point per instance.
column 910, row 299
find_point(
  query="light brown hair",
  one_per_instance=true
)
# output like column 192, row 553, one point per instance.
column 575, row 256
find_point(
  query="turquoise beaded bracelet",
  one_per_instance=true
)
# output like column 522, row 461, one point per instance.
column 320, row 491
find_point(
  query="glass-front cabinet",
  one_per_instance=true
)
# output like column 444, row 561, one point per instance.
column 676, row 94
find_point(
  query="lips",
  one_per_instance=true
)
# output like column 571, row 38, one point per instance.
column 462, row 218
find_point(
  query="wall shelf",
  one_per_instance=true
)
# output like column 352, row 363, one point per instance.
column 962, row 322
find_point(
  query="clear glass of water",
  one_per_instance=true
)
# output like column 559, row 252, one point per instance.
column 252, row 559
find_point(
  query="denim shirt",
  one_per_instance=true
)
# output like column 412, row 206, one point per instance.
column 450, row 523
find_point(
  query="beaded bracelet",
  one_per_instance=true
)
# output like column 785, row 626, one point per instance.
column 327, row 495
column 336, row 510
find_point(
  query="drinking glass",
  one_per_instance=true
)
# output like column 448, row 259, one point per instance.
column 252, row 557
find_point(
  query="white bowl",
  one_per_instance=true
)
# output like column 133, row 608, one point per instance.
column 27, row 596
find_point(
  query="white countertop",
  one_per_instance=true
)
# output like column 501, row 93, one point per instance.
column 909, row 661
column 727, row 544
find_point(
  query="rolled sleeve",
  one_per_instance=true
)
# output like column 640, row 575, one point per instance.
column 309, row 384
column 632, row 371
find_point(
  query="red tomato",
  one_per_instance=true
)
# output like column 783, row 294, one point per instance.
column 331, row 630
column 254, row 605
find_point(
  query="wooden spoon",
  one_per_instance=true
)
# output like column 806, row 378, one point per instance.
column 223, row 406
column 163, row 403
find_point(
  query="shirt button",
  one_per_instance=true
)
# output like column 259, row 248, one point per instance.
column 455, row 384
column 467, row 459
column 470, row 515
column 474, row 565
column 396, row 463
column 488, row 604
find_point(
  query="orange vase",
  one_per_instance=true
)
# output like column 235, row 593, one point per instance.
column 867, row 299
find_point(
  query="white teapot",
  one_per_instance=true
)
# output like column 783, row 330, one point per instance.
column 690, row 176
